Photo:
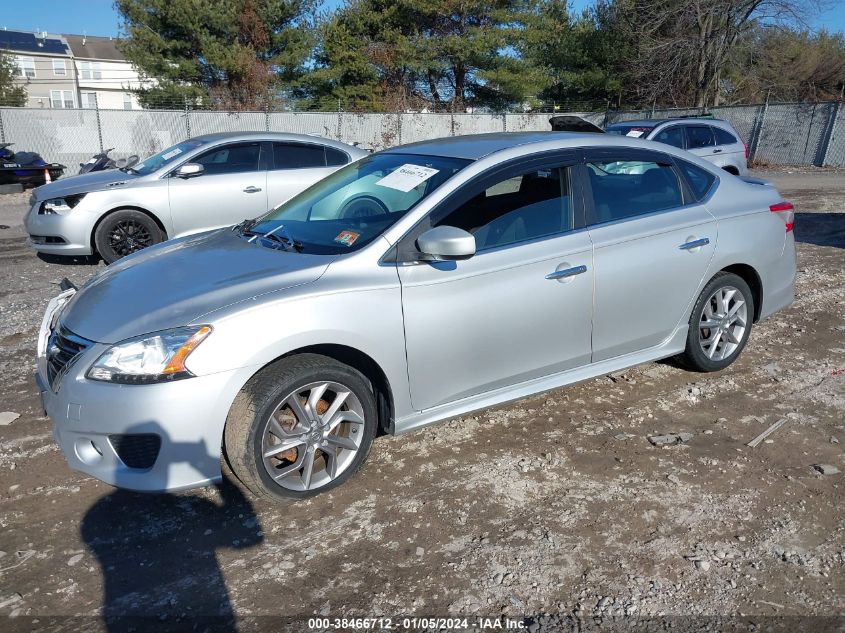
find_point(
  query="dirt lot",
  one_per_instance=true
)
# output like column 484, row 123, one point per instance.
column 556, row 504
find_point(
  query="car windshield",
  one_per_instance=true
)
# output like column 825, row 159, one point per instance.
column 356, row 204
column 627, row 129
column 165, row 157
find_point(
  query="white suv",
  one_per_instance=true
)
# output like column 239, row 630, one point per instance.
column 713, row 140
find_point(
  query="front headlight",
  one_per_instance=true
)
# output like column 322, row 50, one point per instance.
column 151, row 358
column 60, row 205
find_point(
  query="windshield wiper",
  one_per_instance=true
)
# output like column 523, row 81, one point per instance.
column 244, row 226
column 278, row 235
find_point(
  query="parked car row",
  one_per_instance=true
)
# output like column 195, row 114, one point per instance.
column 385, row 293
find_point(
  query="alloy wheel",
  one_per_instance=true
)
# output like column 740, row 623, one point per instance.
column 128, row 236
column 312, row 437
column 722, row 323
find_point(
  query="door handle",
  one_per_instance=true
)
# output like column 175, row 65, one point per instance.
column 252, row 189
column 717, row 150
column 567, row 272
column 688, row 246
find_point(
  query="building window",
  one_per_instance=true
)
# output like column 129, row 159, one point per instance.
column 59, row 67
column 61, row 98
column 127, row 101
column 91, row 70
column 89, row 100
column 26, row 67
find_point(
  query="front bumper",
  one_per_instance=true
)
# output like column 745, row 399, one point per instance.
column 188, row 416
column 74, row 229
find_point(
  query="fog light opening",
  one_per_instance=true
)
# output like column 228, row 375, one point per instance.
column 87, row 451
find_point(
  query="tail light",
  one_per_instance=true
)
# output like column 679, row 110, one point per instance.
column 788, row 211
column 746, row 150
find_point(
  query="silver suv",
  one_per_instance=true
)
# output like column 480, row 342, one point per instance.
column 415, row 285
column 202, row 183
column 713, row 140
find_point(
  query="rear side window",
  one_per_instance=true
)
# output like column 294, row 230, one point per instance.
column 699, row 180
column 723, row 137
column 334, row 157
column 699, row 136
column 671, row 136
column 298, row 155
column 626, row 188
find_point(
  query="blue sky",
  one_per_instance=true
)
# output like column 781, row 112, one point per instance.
column 98, row 17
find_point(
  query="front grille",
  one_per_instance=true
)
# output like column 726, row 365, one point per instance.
column 63, row 348
column 137, row 451
column 47, row 239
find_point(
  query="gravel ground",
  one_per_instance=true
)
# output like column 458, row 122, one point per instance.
column 555, row 511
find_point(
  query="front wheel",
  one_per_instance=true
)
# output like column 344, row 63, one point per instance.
column 124, row 232
column 301, row 426
column 720, row 324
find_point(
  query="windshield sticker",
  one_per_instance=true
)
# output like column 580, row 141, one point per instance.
column 407, row 177
column 635, row 133
column 174, row 152
column 347, row 238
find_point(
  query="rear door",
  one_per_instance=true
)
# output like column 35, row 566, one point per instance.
column 700, row 140
column 231, row 188
column 729, row 150
column 652, row 246
column 296, row 166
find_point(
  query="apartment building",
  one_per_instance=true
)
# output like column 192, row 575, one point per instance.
column 72, row 71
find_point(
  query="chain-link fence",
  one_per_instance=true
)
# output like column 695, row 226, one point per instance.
column 784, row 134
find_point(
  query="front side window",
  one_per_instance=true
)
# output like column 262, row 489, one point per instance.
column 673, row 136
column 298, row 155
column 26, row 67
column 723, row 137
column 357, row 203
column 525, row 207
column 231, row 159
column 59, row 67
column 166, row 157
column 627, row 188
column 699, row 136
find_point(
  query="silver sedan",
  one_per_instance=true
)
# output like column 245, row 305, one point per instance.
column 202, row 183
column 418, row 284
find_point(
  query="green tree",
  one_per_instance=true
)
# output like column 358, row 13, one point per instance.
column 237, row 54
column 443, row 54
column 11, row 94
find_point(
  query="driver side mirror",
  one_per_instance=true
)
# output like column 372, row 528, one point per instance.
column 446, row 243
column 189, row 170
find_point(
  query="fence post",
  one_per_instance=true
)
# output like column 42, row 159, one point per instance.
column 824, row 146
column 399, row 126
column 187, row 118
column 99, row 126
column 267, row 117
column 504, row 121
column 2, row 130
column 757, row 131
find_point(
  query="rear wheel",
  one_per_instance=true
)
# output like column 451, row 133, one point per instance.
column 124, row 232
column 299, row 427
column 720, row 324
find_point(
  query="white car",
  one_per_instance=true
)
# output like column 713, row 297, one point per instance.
column 199, row 184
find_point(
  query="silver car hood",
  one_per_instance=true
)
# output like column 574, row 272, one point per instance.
column 84, row 183
column 173, row 284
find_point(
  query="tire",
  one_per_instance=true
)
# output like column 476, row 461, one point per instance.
column 123, row 232
column 702, row 352
column 250, row 431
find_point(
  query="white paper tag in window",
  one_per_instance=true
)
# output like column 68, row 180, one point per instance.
column 635, row 133
column 407, row 177
column 171, row 154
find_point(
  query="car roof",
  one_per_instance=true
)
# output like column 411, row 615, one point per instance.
column 275, row 136
column 475, row 146
column 656, row 122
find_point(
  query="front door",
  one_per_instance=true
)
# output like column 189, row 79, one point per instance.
column 232, row 187
column 651, row 249
column 518, row 309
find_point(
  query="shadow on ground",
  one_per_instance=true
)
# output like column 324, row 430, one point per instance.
column 821, row 229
